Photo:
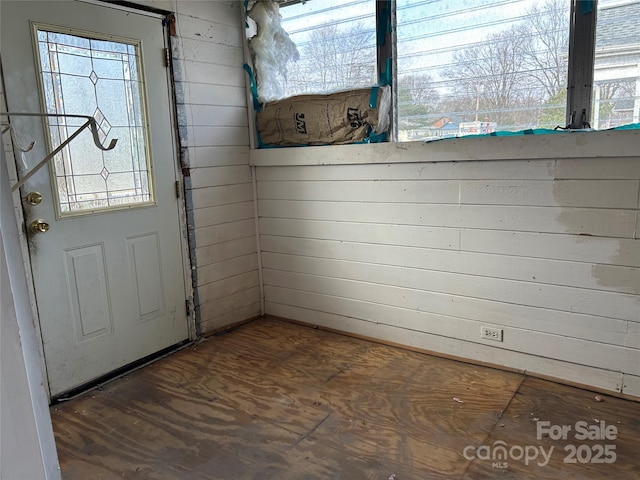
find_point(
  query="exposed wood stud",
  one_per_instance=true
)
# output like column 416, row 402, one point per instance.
column 171, row 22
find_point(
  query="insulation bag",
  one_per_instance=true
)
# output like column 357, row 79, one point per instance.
column 353, row 116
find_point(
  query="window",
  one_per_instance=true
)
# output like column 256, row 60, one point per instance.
column 101, row 78
column 476, row 67
column 336, row 42
column 616, row 76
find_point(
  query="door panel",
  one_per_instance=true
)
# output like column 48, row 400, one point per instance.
column 145, row 262
column 86, row 277
column 109, row 279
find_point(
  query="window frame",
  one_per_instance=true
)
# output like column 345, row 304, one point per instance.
column 66, row 153
column 581, row 67
column 580, row 70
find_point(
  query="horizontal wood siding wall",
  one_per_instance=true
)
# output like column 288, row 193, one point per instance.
column 424, row 254
column 214, row 138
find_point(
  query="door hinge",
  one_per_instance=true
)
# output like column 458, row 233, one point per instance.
column 189, row 305
column 177, row 189
column 167, row 57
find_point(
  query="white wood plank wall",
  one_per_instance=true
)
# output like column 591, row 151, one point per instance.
column 214, row 136
column 424, row 254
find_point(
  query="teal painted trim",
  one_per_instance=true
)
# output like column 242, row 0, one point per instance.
column 385, row 77
column 373, row 98
column 537, row 131
column 257, row 106
column 629, row 126
column 383, row 24
column 586, row 6
column 375, row 138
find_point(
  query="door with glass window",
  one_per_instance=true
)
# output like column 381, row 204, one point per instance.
column 104, row 227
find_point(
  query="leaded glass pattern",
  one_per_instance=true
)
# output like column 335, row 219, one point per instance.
column 101, row 78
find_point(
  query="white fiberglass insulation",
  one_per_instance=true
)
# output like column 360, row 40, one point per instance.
column 271, row 50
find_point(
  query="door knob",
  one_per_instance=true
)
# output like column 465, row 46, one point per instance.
column 34, row 198
column 39, row 226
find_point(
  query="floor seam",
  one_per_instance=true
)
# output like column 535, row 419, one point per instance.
column 310, row 432
column 490, row 431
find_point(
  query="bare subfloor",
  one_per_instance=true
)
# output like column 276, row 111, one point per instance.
column 274, row 400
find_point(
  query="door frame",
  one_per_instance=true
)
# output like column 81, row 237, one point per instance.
column 18, row 201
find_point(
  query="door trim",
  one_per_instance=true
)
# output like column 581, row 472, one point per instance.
column 12, row 166
column 174, row 76
column 147, row 10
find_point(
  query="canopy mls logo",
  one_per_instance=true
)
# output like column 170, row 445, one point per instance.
column 301, row 124
column 499, row 453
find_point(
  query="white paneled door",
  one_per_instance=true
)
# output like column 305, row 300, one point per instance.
column 108, row 271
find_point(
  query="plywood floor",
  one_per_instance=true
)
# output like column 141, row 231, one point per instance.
column 274, row 400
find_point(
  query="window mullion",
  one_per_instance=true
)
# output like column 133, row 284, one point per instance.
column 386, row 52
column 581, row 61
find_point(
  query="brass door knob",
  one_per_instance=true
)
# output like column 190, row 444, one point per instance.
column 34, row 198
column 39, row 226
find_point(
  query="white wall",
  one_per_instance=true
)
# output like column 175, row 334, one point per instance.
column 214, row 137
column 212, row 104
column 421, row 245
column 27, row 448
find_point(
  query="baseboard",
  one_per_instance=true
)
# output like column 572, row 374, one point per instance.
column 531, row 373
column 231, row 327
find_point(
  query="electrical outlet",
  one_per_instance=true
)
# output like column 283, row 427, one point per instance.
column 491, row 333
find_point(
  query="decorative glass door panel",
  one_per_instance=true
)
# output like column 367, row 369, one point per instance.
column 83, row 74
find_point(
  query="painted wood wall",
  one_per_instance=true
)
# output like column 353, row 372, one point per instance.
column 416, row 244
column 214, row 137
column 27, row 448
column 214, row 134
column 544, row 246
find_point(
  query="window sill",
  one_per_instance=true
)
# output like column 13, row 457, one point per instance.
column 610, row 144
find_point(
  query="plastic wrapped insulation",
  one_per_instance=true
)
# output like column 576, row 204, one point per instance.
column 271, row 50
column 384, row 111
column 352, row 116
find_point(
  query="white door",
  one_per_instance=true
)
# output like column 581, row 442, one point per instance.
column 108, row 273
